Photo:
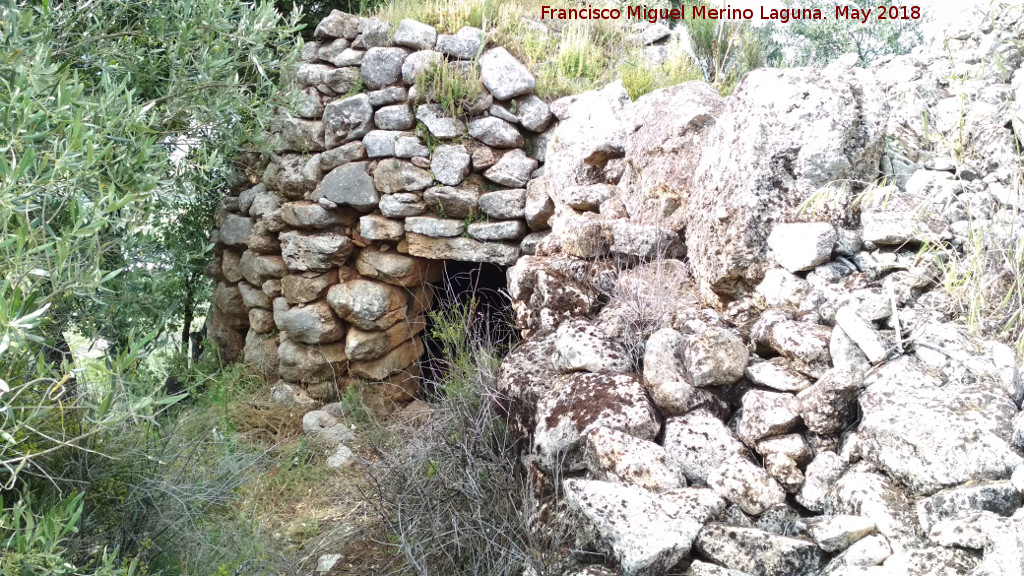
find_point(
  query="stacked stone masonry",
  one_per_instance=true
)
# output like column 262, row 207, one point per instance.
column 323, row 267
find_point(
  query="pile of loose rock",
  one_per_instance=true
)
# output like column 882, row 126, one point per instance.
column 323, row 268
column 807, row 398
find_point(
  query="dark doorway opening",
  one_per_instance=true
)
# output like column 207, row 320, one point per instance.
column 471, row 302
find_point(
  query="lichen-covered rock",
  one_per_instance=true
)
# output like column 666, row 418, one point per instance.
column 698, row 442
column 819, row 477
column 440, row 124
column 864, row 493
column 415, row 35
column 777, row 374
column 580, row 347
column 714, row 357
column 747, row 485
column 758, row 553
column 836, row 533
column 801, row 246
column 503, row 75
column 503, row 204
column 401, row 205
column 618, row 457
column 418, row 63
column 1001, row 498
column 766, row 414
column 463, row 45
column 533, row 113
column 666, row 379
column 646, row 533
column 435, row 227
column 932, row 434
column 452, row 202
column 367, row 304
column 497, row 231
column 805, row 345
column 590, row 133
column 579, row 402
column 392, row 176
column 310, row 215
column 381, row 143
column 236, row 229
column 830, row 405
column 782, row 136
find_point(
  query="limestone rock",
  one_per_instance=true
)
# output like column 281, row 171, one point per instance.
column 767, row 156
column 449, row 202
column 392, row 176
column 381, row 143
column 801, row 246
column 646, row 533
column 698, row 442
column 312, row 364
column 313, row 323
column 503, row 75
column 513, row 169
column 533, row 113
column 310, row 215
column 382, row 66
column 463, row 45
column 758, row 553
column 415, row 35
column 367, row 304
column 496, row 132
column 308, row 286
column 579, row 402
column 401, row 205
column 439, row 123
column 819, row 477
column 347, row 119
column 615, row 456
column 664, row 135
column 579, row 346
column 349, row 185
column 777, row 374
column 394, row 362
column 463, row 249
column 435, row 227
column 377, row 227
column 314, row 252
column 363, row 345
column 418, row 63
column 503, row 204
column 497, row 231
column 450, row 164
column 397, row 269
column 1001, row 498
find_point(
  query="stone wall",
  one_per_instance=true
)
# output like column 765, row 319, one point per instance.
column 323, row 267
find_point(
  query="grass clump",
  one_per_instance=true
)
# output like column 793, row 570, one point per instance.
column 454, row 88
column 643, row 78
